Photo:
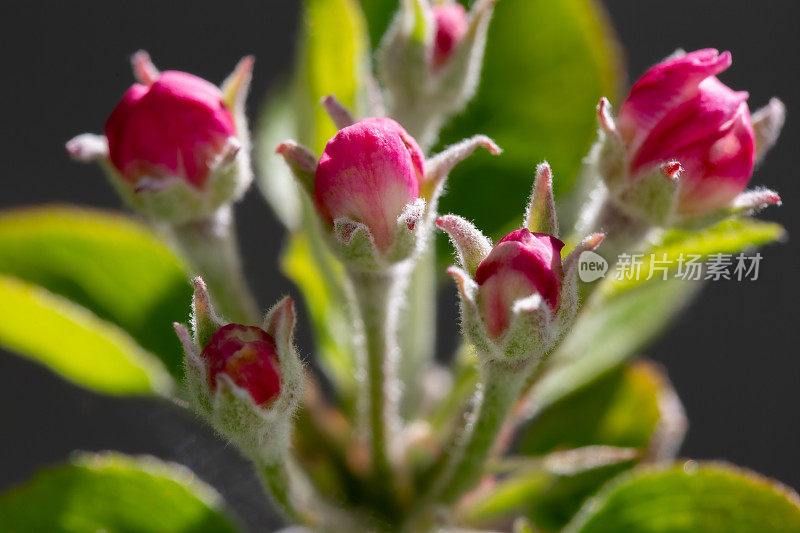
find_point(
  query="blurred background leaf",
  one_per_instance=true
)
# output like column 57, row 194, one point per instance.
column 608, row 332
column 627, row 407
column 74, row 343
column 547, row 491
column 116, row 494
column 112, row 265
column 691, row 498
column 727, row 237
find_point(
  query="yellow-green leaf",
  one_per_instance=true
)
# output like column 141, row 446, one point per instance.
column 74, row 343
column 108, row 263
column 691, row 498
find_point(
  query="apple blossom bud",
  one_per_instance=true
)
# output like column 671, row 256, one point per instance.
column 679, row 111
column 517, row 297
column 176, row 127
column 520, row 265
column 248, row 356
column 368, row 173
column 450, row 25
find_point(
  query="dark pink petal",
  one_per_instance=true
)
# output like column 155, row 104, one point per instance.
column 248, row 356
column 664, row 87
column 520, row 265
column 712, row 137
column 175, row 128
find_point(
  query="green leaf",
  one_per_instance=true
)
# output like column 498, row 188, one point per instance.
column 632, row 406
column 378, row 14
column 107, row 263
column 333, row 59
column 74, row 343
column 608, row 332
column 115, row 494
column 727, row 237
column 547, row 64
column 691, row 498
column 548, row 491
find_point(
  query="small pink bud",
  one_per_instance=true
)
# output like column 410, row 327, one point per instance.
column 176, row 127
column 679, row 111
column 451, row 25
column 521, row 264
column 248, row 356
column 368, row 173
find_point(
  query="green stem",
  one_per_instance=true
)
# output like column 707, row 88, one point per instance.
column 376, row 296
column 462, row 466
column 210, row 246
column 276, row 479
column 500, row 386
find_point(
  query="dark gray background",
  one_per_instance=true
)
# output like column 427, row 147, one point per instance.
column 732, row 357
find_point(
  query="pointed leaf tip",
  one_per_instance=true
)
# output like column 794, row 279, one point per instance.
column 593, row 241
column 540, row 214
column 301, row 161
column 234, row 88
column 767, row 124
column 87, row 147
column 470, row 244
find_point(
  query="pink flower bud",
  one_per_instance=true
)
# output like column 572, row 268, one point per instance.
column 248, row 356
column 679, row 111
column 368, row 173
column 521, row 264
column 176, row 127
column 451, row 25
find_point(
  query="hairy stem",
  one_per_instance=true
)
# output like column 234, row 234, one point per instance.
column 377, row 296
column 462, row 465
column 500, row 386
column 211, row 248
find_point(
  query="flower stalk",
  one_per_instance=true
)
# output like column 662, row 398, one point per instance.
column 500, row 386
column 210, row 246
column 376, row 295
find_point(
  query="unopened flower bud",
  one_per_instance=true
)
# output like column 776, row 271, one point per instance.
column 679, row 116
column 175, row 146
column 680, row 111
column 429, row 62
column 450, row 25
column 246, row 380
column 247, row 355
column 368, row 173
column 374, row 188
column 177, row 127
column 520, row 265
column 517, row 298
